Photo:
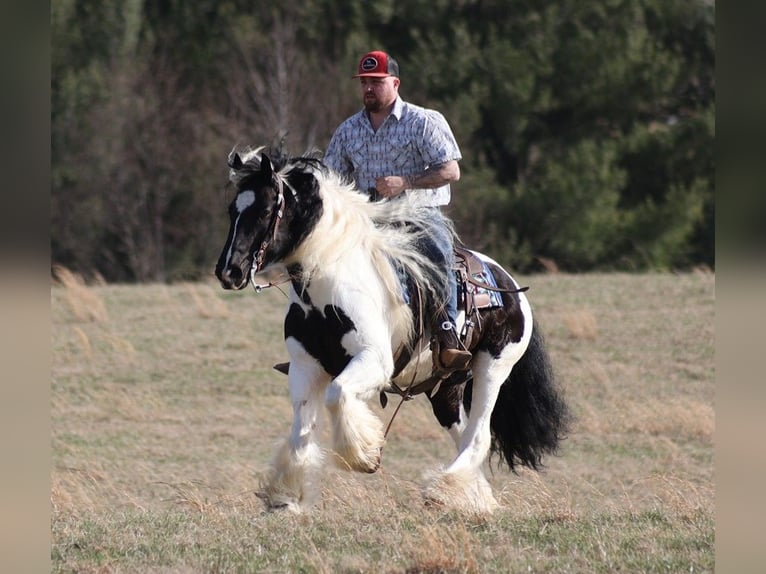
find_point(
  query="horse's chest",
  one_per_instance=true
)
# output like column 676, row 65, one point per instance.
column 321, row 334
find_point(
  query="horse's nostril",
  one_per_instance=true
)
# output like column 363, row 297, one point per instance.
column 227, row 278
column 231, row 277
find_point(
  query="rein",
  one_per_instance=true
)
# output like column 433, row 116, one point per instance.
column 259, row 287
column 406, row 392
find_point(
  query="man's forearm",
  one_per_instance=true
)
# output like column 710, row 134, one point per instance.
column 435, row 176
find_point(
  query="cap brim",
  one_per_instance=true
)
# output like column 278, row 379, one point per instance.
column 372, row 75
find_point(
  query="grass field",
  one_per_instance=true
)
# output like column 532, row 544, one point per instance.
column 165, row 410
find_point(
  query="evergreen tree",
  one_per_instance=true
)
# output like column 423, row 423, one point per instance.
column 587, row 127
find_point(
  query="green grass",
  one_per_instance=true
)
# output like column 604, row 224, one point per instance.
column 235, row 541
column 165, row 411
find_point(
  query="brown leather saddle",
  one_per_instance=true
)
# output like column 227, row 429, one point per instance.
column 474, row 294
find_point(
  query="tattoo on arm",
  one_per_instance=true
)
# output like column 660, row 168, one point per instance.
column 434, row 176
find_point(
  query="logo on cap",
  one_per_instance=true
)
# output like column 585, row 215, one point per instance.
column 377, row 64
column 369, row 64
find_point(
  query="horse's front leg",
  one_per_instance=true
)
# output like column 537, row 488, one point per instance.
column 357, row 432
column 292, row 482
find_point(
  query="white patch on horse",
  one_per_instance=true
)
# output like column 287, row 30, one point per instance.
column 245, row 200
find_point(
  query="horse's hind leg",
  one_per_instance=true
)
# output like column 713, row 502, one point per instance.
column 463, row 484
column 291, row 483
column 447, row 405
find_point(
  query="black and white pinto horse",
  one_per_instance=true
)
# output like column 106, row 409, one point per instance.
column 349, row 321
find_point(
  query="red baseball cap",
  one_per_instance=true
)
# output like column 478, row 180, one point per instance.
column 377, row 64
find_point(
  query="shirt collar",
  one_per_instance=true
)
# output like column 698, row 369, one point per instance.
column 398, row 108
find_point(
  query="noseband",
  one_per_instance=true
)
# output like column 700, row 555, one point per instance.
column 280, row 183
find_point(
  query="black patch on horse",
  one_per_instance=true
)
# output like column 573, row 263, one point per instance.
column 321, row 334
column 301, row 289
column 504, row 325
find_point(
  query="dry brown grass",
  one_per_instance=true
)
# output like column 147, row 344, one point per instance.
column 83, row 301
column 206, row 301
column 165, row 411
column 443, row 549
column 582, row 324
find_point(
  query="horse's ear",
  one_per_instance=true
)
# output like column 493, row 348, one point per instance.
column 266, row 166
column 235, row 161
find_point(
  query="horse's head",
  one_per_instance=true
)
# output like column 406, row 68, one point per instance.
column 268, row 214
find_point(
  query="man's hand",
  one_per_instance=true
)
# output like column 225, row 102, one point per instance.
column 391, row 185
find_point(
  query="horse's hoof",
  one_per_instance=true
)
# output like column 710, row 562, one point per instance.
column 277, row 504
column 373, row 463
column 376, row 465
column 283, row 507
column 359, row 464
column 431, row 503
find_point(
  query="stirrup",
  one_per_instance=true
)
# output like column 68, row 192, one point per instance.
column 460, row 360
column 460, row 356
column 449, row 326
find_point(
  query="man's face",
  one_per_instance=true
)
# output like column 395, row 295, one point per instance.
column 378, row 93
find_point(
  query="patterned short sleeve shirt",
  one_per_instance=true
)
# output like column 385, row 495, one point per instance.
column 410, row 140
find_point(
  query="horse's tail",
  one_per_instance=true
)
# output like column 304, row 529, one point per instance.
column 530, row 417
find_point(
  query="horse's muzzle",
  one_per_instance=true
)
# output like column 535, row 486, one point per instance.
column 232, row 278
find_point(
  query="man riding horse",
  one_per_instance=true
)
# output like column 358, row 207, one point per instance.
column 393, row 148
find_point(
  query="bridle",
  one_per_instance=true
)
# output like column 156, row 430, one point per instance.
column 279, row 183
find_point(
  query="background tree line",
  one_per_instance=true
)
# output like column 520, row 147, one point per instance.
column 586, row 126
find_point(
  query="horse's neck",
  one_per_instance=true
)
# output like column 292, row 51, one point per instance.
column 337, row 270
column 324, row 246
column 345, row 262
column 354, row 284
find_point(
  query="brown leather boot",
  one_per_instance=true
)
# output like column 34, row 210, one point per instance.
column 453, row 356
column 283, row 368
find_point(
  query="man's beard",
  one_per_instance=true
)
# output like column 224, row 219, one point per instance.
column 372, row 105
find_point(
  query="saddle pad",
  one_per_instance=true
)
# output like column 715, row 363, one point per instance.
column 483, row 298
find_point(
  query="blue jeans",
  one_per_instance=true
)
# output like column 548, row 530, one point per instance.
column 440, row 249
